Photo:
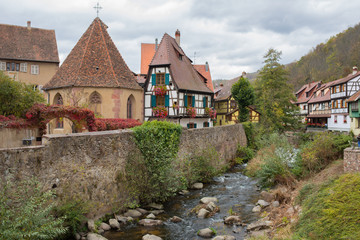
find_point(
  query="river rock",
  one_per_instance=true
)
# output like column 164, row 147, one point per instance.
column 259, row 225
column 150, row 222
column 203, row 213
column 157, row 212
column 77, row 236
column 256, row 209
column 105, row 226
column 151, row 216
column 91, row 225
column 94, row 236
column 211, row 206
column 142, row 211
column 233, row 220
column 129, row 219
column 205, row 233
column 224, row 237
column 268, row 197
column 275, row 204
column 184, row 192
column 151, row 237
column 156, row 206
column 262, row 203
column 114, row 224
column 132, row 213
column 175, row 219
column 197, row 186
column 290, row 211
column 206, row 200
column 121, row 219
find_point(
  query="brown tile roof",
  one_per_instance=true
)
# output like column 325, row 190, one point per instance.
column 206, row 74
column 345, row 79
column 94, row 62
column 225, row 91
column 354, row 97
column 320, row 98
column 147, row 54
column 307, row 88
column 28, row 44
column 182, row 71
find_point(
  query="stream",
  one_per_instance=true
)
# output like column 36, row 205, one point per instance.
column 235, row 192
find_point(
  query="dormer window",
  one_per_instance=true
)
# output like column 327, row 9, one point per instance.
column 160, row 79
column 322, row 93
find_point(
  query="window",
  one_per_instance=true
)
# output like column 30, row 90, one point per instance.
column 304, row 107
column 329, row 105
column 12, row 66
column 23, row 67
column 58, row 99
column 322, row 93
column 229, row 118
column 206, row 102
column 160, row 79
column 206, row 124
column 95, row 102
column 160, row 100
column 345, row 119
column 2, row 66
column 233, row 104
column 335, row 119
column 35, row 69
column 130, row 107
column 189, row 101
column 191, row 125
column 354, row 106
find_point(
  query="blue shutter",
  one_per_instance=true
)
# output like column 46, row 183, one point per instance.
column 193, row 101
column 204, row 102
column 166, row 100
column 185, row 101
column 195, row 125
column 167, row 79
column 188, row 125
column 153, row 101
column 153, row 79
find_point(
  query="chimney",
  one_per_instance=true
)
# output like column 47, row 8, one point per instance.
column 206, row 66
column 28, row 25
column 355, row 70
column 156, row 44
column 177, row 37
column 243, row 74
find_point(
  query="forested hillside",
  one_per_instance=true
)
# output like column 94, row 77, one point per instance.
column 328, row 61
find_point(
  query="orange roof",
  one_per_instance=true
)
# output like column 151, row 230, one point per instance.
column 354, row 97
column 147, row 54
column 202, row 70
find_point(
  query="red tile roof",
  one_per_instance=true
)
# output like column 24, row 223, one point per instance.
column 94, row 62
column 354, row 97
column 225, row 90
column 206, row 74
column 147, row 54
column 307, row 88
column 28, row 44
column 320, row 98
column 182, row 71
column 345, row 79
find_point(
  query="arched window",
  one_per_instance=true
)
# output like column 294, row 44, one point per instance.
column 130, row 107
column 58, row 100
column 95, row 102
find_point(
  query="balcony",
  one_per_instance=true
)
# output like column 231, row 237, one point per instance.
column 338, row 95
column 339, row 110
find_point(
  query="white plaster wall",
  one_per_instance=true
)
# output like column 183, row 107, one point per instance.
column 340, row 125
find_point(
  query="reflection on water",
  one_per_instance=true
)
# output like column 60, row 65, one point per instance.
column 233, row 190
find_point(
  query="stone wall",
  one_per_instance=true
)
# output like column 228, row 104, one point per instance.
column 352, row 159
column 89, row 165
column 11, row 137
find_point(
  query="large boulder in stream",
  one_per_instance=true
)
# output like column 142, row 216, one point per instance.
column 259, row 225
column 206, row 233
column 151, row 237
column 105, row 226
column 224, row 237
column 156, row 206
column 94, row 236
column 91, row 225
column 114, row 224
column 203, row 213
column 150, row 222
column 132, row 213
column 206, row 200
column 197, row 186
column 230, row 220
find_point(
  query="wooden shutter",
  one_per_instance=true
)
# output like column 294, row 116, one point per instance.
column 193, row 101
column 204, row 102
column 185, row 101
column 153, row 101
column 167, row 79
column 195, row 125
column 153, row 79
column 188, row 125
column 166, row 100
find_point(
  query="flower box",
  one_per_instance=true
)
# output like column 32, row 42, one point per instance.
column 160, row 90
column 211, row 112
column 160, row 112
column 191, row 111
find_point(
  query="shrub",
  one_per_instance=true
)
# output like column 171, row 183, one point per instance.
column 152, row 176
column 244, row 154
column 250, row 132
column 333, row 211
column 26, row 212
column 104, row 124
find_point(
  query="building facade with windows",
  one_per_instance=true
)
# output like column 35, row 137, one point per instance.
column 28, row 54
column 320, row 107
column 175, row 89
column 94, row 75
column 341, row 90
column 354, row 113
column 303, row 96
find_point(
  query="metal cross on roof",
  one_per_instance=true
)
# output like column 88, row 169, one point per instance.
column 98, row 8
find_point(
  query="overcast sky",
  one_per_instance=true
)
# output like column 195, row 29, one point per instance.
column 232, row 35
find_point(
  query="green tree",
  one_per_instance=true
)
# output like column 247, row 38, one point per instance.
column 15, row 97
column 274, row 95
column 244, row 95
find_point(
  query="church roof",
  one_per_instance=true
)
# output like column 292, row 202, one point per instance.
column 28, row 44
column 94, row 62
column 147, row 54
column 181, row 69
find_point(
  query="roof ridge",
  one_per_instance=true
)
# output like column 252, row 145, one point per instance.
column 108, row 54
column 83, row 55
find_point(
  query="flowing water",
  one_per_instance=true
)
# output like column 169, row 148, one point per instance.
column 235, row 192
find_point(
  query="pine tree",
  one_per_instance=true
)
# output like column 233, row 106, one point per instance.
column 274, row 95
column 244, row 95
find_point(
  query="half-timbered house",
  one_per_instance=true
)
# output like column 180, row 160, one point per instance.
column 174, row 89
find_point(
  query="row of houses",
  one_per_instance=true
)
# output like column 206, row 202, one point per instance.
column 333, row 105
column 95, row 75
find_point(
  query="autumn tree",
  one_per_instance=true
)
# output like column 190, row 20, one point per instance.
column 274, row 94
column 244, row 95
column 16, row 97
